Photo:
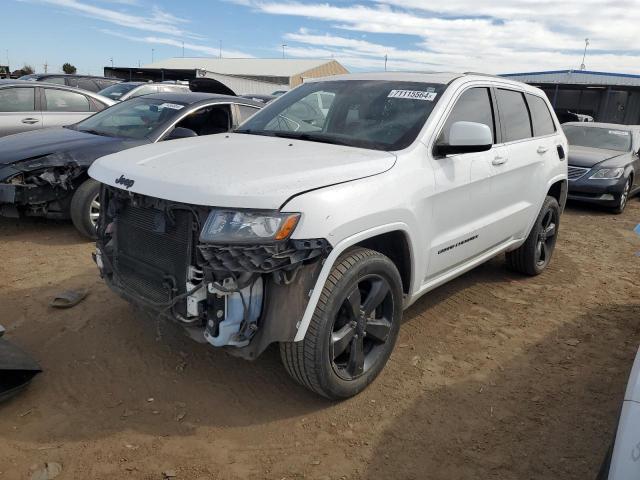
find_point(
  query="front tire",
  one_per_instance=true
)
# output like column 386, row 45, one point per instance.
column 623, row 197
column 533, row 256
column 353, row 329
column 85, row 208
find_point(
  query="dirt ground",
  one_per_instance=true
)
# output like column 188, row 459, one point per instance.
column 494, row 376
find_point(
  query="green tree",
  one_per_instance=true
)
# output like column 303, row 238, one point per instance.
column 69, row 69
column 27, row 70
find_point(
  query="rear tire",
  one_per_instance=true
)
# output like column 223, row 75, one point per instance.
column 85, row 207
column 353, row 329
column 533, row 256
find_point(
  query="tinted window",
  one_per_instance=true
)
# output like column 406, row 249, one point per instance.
column 514, row 115
column 116, row 91
column 375, row 114
column 87, row 84
column 65, row 101
column 474, row 105
column 246, row 112
column 17, row 100
column 595, row 137
column 104, row 83
column 540, row 116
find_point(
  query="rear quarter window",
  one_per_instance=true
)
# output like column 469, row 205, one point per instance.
column 540, row 116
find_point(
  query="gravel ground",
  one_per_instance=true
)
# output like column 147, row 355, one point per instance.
column 494, row 376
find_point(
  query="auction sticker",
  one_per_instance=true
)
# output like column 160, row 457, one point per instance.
column 174, row 106
column 413, row 95
column 622, row 133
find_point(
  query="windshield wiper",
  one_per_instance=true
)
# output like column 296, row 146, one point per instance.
column 311, row 138
column 95, row 132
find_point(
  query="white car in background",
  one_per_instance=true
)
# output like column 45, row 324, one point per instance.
column 623, row 462
column 126, row 90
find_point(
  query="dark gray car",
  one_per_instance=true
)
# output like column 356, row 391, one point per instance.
column 44, row 173
column 28, row 106
column 603, row 163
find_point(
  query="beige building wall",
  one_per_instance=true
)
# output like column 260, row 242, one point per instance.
column 325, row 70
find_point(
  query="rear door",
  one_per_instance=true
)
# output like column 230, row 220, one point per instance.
column 461, row 204
column 19, row 110
column 518, row 169
column 64, row 107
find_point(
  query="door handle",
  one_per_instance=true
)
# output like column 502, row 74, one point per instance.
column 499, row 161
column 542, row 150
column 30, row 121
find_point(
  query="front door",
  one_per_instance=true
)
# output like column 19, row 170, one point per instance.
column 462, row 201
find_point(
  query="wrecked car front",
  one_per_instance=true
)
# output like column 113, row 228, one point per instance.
column 203, row 239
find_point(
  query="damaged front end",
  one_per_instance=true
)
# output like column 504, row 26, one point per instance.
column 193, row 265
column 41, row 186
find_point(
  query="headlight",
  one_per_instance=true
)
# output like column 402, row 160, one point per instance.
column 229, row 226
column 607, row 174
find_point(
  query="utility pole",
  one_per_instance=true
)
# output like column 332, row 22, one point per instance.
column 46, row 66
column 220, row 51
column 111, row 60
column 183, row 49
column 385, row 62
column 584, row 54
column 8, row 64
column 153, row 51
column 284, row 45
column 138, row 63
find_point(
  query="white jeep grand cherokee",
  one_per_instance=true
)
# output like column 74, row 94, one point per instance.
column 330, row 211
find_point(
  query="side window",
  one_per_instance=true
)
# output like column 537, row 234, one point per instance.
column 65, row 101
column 540, row 116
column 17, row 100
column 102, row 84
column 56, row 80
column 245, row 112
column 513, row 115
column 208, row 120
column 87, row 84
column 474, row 105
column 145, row 90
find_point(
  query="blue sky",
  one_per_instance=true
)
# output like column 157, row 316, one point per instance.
column 498, row 36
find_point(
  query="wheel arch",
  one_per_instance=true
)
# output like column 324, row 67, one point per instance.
column 559, row 191
column 381, row 238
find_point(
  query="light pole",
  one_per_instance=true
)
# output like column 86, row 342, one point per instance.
column 584, row 54
column 385, row 62
column 220, row 51
column 284, row 45
column 182, row 49
column 111, row 60
column 153, row 51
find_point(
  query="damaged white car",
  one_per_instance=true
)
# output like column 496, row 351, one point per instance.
column 330, row 211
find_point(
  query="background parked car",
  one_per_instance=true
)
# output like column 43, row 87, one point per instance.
column 44, row 173
column 126, row 90
column 603, row 162
column 85, row 82
column 25, row 106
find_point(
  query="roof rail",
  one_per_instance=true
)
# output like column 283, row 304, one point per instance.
column 482, row 74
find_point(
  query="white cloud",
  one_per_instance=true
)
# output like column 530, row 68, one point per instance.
column 159, row 21
column 153, row 40
column 493, row 36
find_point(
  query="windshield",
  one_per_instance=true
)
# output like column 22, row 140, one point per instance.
column 136, row 119
column 380, row 115
column 29, row 77
column 596, row 137
column 114, row 92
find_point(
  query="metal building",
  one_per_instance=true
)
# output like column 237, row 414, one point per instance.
column 234, row 76
column 606, row 97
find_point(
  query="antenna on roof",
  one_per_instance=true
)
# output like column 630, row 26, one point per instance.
column 584, row 54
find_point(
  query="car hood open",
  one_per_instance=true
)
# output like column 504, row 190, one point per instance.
column 236, row 170
column 66, row 143
column 588, row 157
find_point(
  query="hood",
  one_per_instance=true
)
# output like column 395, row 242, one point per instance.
column 236, row 170
column 67, row 144
column 633, row 387
column 588, row 157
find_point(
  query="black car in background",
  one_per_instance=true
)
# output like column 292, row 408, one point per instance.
column 44, row 173
column 603, row 163
column 85, row 82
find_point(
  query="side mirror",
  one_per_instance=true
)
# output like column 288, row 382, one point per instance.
column 466, row 137
column 181, row 132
